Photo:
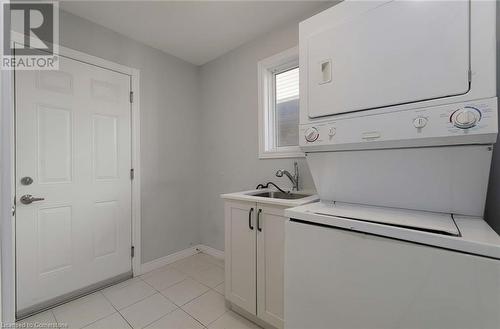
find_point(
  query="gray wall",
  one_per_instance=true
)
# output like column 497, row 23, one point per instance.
column 492, row 214
column 217, row 104
column 169, row 109
column 229, row 110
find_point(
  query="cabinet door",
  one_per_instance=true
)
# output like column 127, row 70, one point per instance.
column 240, row 255
column 270, row 264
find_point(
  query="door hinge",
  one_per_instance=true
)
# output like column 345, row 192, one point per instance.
column 14, row 206
column 132, row 173
column 131, row 97
column 132, row 251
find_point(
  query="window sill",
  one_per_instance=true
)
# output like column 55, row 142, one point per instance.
column 281, row 155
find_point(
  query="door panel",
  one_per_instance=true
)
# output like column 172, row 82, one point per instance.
column 54, row 236
column 105, row 147
column 73, row 138
column 54, row 127
column 57, row 81
column 105, row 231
column 397, row 52
column 270, row 265
column 241, row 254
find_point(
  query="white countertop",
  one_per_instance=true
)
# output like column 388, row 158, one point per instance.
column 476, row 236
column 250, row 197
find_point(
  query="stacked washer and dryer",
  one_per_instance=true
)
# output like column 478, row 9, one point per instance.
column 398, row 117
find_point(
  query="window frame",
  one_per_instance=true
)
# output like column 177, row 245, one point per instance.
column 267, row 70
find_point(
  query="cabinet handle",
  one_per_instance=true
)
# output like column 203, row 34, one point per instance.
column 258, row 220
column 250, row 219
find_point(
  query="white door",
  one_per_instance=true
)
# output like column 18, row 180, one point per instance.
column 240, row 255
column 73, row 139
column 270, row 264
column 397, row 52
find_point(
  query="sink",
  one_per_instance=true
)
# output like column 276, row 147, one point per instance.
column 281, row 195
column 274, row 197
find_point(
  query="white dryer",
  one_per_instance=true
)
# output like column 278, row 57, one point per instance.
column 398, row 117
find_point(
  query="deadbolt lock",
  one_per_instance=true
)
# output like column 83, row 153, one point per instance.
column 26, row 180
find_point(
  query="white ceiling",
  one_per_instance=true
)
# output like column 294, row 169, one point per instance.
column 196, row 31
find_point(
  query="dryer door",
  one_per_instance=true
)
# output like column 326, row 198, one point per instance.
column 398, row 52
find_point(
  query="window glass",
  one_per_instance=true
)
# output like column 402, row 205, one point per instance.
column 287, row 107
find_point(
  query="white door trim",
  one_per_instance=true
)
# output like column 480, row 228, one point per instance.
column 8, row 222
column 8, row 286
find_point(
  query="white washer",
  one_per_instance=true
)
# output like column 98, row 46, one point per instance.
column 353, row 266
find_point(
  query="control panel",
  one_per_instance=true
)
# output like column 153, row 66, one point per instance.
column 451, row 124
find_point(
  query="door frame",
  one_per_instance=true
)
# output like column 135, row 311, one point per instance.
column 7, row 223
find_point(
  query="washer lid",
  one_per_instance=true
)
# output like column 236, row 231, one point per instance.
column 419, row 220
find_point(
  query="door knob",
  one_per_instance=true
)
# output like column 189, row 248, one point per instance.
column 28, row 198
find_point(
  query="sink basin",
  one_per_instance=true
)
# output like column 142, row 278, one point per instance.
column 274, row 197
column 281, row 195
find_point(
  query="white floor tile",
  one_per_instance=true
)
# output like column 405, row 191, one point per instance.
column 124, row 296
column 43, row 318
column 231, row 320
column 178, row 319
column 206, row 308
column 165, row 278
column 211, row 276
column 185, row 291
column 83, row 311
column 186, row 283
column 191, row 265
column 147, row 311
column 122, row 284
column 221, row 288
column 211, row 259
column 114, row 321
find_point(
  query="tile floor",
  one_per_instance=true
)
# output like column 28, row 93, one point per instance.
column 187, row 294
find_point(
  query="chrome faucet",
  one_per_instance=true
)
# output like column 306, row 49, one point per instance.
column 294, row 178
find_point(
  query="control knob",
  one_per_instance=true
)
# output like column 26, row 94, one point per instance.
column 311, row 134
column 466, row 117
column 420, row 122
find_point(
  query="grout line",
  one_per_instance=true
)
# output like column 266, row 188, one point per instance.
column 204, row 326
column 54, row 315
column 177, row 307
column 219, row 316
column 225, row 308
column 117, row 311
column 88, row 324
column 191, row 298
column 124, row 319
column 137, row 301
column 156, row 292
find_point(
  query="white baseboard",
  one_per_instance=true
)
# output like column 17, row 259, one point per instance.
column 211, row 251
column 162, row 261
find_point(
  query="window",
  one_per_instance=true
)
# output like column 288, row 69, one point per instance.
column 279, row 106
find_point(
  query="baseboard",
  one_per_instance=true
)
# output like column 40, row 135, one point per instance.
column 160, row 262
column 211, row 251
